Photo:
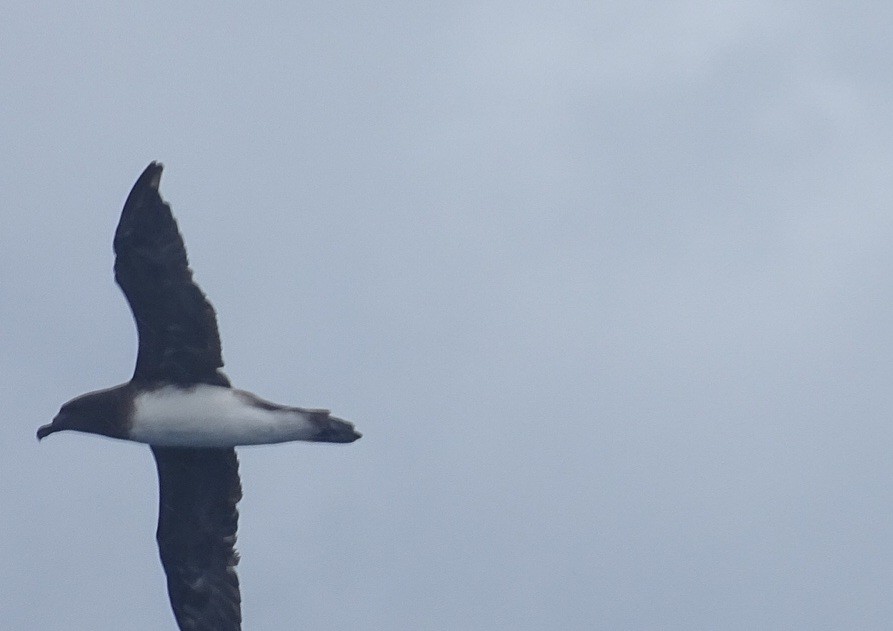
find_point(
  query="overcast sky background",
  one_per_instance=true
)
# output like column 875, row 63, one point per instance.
column 608, row 288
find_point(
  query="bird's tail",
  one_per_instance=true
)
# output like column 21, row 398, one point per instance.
column 331, row 429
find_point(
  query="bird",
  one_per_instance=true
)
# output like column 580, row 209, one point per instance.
column 182, row 405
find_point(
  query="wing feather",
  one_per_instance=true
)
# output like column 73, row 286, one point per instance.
column 177, row 326
column 197, row 522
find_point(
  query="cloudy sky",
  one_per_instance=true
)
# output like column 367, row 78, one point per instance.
column 608, row 288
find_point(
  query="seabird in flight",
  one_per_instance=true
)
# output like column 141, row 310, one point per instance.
column 181, row 404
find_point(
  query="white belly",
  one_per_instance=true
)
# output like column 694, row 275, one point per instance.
column 212, row 416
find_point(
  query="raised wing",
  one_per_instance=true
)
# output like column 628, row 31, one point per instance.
column 177, row 327
column 197, row 521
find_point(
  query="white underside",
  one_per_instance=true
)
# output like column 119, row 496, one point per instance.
column 212, row 416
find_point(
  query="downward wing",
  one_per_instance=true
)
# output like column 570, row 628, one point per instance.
column 197, row 521
column 178, row 338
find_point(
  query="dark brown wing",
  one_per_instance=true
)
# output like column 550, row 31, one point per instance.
column 178, row 338
column 197, row 522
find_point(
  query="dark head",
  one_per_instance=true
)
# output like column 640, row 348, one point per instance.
column 103, row 412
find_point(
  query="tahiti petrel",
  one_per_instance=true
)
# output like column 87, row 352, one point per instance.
column 182, row 405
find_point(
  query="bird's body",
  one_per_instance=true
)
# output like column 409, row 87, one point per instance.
column 181, row 404
column 214, row 416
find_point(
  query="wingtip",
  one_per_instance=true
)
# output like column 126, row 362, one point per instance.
column 152, row 174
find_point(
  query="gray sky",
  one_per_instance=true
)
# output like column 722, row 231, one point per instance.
column 607, row 288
